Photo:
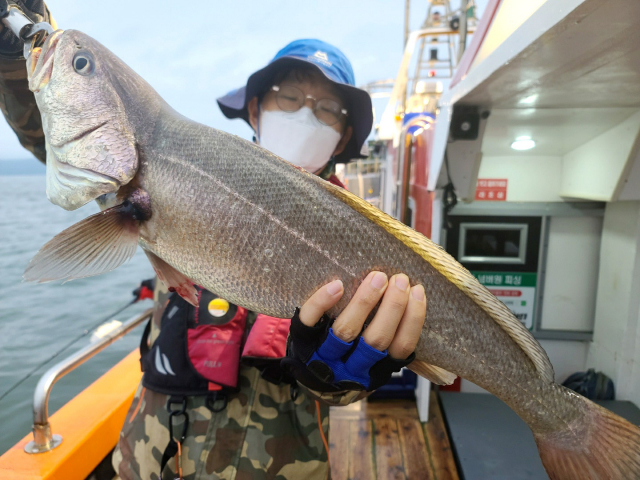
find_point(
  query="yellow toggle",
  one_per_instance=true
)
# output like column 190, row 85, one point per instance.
column 218, row 307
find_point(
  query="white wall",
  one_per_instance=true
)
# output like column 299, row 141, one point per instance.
column 597, row 170
column 616, row 344
column 531, row 178
column 565, row 164
column 571, row 279
column 566, row 358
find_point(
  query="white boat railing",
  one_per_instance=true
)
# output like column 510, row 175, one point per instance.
column 43, row 438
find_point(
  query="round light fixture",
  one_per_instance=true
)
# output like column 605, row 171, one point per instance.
column 523, row 143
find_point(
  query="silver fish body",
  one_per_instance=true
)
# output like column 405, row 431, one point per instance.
column 232, row 217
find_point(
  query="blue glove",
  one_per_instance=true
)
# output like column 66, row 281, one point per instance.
column 322, row 362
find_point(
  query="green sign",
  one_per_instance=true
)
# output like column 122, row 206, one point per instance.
column 516, row 290
column 510, row 279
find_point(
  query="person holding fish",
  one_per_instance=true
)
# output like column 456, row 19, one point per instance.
column 304, row 107
column 216, row 213
column 257, row 406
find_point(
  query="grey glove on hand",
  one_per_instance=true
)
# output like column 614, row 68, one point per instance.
column 10, row 45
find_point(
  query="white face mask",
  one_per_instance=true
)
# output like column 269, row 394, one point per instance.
column 298, row 137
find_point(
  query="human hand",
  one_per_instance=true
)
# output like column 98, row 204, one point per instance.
column 325, row 357
column 10, row 45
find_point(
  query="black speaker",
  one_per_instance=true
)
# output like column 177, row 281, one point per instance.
column 465, row 123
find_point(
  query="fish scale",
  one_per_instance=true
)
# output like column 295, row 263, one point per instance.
column 212, row 209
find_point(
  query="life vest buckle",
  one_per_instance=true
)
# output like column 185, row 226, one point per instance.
column 182, row 412
column 213, row 398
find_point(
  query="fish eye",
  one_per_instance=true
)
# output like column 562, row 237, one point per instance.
column 83, row 63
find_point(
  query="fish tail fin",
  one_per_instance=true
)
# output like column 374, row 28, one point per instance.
column 597, row 445
column 98, row 244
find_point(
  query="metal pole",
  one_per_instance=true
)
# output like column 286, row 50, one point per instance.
column 43, row 439
column 407, row 4
column 464, row 4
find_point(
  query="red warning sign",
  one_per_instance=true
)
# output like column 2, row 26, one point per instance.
column 492, row 189
column 506, row 293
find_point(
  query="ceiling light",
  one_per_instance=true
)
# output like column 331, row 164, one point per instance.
column 529, row 100
column 523, row 143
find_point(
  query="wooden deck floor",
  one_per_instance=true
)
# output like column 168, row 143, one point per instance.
column 386, row 440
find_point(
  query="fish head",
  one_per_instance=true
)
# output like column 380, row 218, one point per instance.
column 90, row 142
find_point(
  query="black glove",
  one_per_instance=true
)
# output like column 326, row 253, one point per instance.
column 10, row 45
column 324, row 363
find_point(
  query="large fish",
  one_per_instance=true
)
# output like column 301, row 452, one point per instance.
column 212, row 209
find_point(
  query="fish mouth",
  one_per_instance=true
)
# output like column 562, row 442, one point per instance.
column 69, row 186
column 72, row 187
column 40, row 62
column 70, row 176
column 71, row 173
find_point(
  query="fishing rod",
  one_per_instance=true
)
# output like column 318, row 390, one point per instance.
column 144, row 291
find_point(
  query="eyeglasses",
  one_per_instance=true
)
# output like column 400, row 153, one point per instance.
column 291, row 99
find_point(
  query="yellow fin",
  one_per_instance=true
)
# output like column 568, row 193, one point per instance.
column 434, row 374
column 446, row 265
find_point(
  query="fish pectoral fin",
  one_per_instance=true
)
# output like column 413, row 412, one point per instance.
column 173, row 279
column 434, row 374
column 98, row 244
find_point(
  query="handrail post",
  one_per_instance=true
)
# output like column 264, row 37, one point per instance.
column 43, row 438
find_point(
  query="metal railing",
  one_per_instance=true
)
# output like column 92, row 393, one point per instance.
column 43, row 439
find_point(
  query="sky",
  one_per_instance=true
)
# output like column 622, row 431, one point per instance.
column 194, row 55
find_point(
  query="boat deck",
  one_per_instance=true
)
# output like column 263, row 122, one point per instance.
column 385, row 439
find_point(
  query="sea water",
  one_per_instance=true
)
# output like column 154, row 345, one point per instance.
column 36, row 320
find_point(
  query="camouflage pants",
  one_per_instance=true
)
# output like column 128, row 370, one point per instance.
column 262, row 434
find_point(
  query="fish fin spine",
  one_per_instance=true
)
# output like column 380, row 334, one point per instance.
column 597, row 445
column 98, row 244
column 444, row 264
column 173, row 279
column 434, row 374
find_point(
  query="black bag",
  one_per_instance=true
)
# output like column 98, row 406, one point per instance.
column 591, row 384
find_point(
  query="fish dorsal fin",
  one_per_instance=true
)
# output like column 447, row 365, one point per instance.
column 173, row 279
column 434, row 374
column 98, row 244
column 446, row 265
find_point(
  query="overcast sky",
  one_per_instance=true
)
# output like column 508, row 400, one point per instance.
column 193, row 52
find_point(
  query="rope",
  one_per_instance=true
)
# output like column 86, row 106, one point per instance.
column 324, row 439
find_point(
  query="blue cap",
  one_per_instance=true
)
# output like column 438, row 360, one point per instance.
column 333, row 64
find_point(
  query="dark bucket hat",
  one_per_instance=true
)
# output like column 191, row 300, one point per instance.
column 334, row 65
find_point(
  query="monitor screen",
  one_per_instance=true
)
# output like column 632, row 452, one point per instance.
column 493, row 243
